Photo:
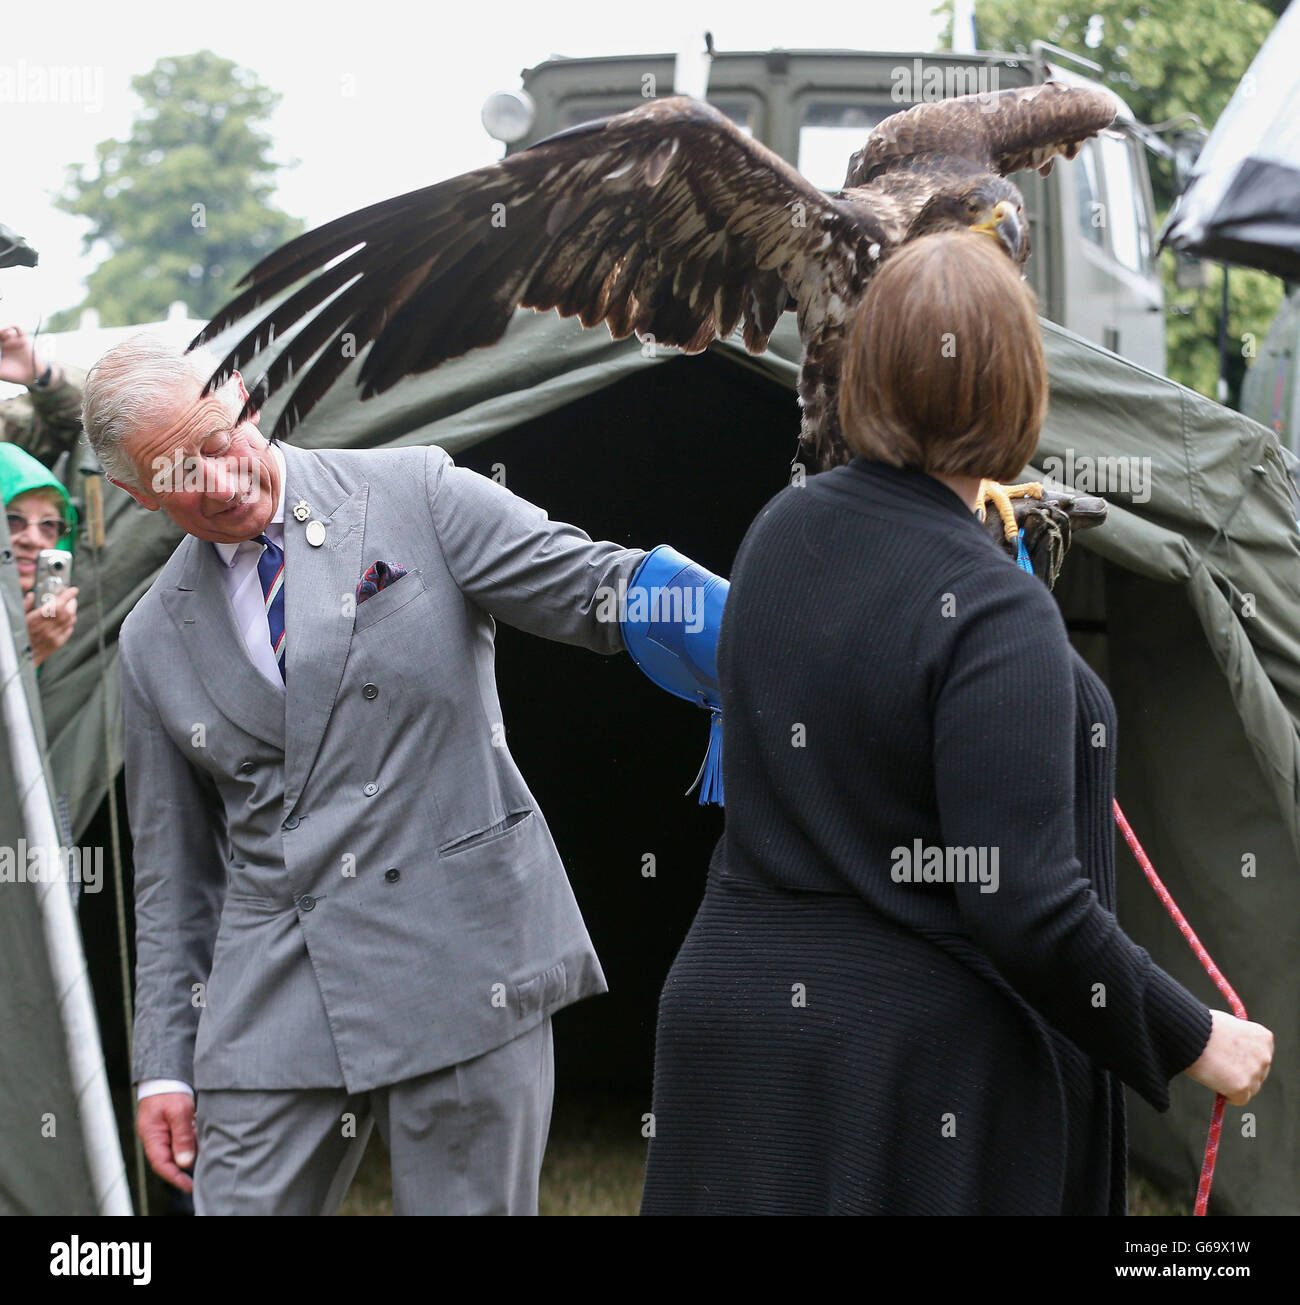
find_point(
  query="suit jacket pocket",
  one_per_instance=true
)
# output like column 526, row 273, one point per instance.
column 490, row 834
column 402, row 591
column 543, row 991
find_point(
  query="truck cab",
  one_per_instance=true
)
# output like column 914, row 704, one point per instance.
column 1093, row 264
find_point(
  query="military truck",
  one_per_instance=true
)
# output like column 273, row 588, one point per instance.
column 1093, row 266
column 1271, row 392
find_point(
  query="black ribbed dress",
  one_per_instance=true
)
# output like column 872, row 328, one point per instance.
column 853, row 1024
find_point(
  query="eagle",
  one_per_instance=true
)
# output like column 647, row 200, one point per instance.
column 667, row 222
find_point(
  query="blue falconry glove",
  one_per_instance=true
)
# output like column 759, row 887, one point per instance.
column 670, row 621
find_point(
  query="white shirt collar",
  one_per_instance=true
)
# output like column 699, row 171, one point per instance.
column 228, row 553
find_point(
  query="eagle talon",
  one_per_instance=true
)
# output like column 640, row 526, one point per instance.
column 1000, row 496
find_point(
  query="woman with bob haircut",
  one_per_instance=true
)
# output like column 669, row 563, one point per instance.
column 905, row 990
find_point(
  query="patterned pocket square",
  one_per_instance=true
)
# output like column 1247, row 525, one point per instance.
column 377, row 577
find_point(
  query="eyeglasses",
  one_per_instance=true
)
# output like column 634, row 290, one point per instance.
column 49, row 530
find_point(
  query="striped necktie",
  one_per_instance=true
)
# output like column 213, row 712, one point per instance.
column 270, row 571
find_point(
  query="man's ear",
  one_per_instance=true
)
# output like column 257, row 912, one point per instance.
column 253, row 417
column 149, row 504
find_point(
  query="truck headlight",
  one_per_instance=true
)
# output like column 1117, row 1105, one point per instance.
column 508, row 116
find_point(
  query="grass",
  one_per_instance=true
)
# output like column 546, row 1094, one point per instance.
column 1144, row 1197
column 595, row 1164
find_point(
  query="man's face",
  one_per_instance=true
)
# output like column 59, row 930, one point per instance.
column 216, row 480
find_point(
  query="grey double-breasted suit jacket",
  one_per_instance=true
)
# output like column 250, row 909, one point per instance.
column 349, row 883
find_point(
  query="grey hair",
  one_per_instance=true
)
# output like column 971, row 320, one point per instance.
column 125, row 389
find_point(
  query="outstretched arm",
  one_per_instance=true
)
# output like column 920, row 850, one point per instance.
column 542, row 576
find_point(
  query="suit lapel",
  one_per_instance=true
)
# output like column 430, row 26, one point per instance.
column 205, row 621
column 318, row 584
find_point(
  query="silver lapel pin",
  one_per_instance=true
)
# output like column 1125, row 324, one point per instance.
column 301, row 510
column 315, row 533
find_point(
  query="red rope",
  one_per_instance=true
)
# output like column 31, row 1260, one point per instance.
column 1216, row 1119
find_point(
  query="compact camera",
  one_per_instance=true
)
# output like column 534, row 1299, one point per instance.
column 53, row 574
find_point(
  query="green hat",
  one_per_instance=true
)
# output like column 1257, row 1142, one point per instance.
column 19, row 472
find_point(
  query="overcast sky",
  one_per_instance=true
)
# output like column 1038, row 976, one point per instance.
column 417, row 74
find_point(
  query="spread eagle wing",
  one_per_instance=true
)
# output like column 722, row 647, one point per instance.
column 1003, row 131
column 666, row 221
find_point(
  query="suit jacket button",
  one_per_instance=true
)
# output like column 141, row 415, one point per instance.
column 371, row 789
column 306, row 903
column 370, row 691
column 246, row 767
column 392, row 875
column 291, row 823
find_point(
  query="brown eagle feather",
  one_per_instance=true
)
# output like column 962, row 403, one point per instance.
column 665, row 221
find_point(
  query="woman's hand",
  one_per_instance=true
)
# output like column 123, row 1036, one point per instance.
column 1236, row 1059
column 50, row 627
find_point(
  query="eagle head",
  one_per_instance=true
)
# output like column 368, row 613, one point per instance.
column 991, row 206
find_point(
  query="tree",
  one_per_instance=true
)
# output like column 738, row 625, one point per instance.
column 184, row 204
column 1164, row 58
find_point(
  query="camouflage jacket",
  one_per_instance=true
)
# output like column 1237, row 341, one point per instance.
column 46, row 423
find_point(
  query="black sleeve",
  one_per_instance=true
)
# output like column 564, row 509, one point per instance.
column 1004, row 721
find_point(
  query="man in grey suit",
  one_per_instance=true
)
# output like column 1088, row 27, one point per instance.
column 349, row 907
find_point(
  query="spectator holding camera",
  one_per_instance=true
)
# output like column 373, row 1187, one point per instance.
column 38, row 428
column 40, row 515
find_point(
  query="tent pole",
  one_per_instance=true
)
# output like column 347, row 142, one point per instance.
column 94, row 496
column 63, row 943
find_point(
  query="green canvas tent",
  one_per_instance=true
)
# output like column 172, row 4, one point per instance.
column 1187, row 601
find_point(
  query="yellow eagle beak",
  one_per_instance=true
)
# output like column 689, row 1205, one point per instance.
column 1001, row 224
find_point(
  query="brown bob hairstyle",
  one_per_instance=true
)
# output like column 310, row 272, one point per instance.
column 943, row 365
